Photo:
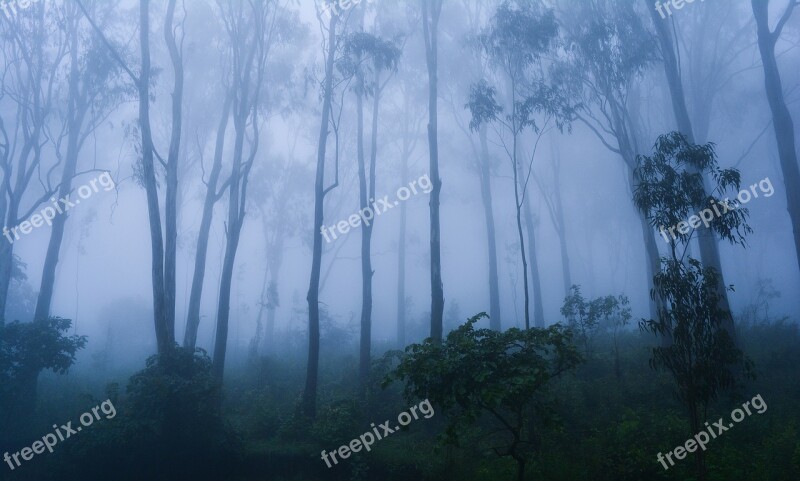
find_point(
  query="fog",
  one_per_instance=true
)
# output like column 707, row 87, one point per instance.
column 219, row 178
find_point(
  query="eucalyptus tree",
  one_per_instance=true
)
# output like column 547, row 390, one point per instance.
column 709, row 249
column 366, row 57
column 515, row 41
column 607, row 50
column 162, row 260
column 702, row 355
column 251, row 27
column 309, row 398
column 94, row 90
column 431, row 11
column 33, row 50
column 465, row 70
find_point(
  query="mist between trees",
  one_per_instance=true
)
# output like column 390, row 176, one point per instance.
column 258, row 226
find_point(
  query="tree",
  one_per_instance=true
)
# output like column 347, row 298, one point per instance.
column 211, row 198
column 309, row 400
column 709, row 249
column 515, row 41
column 250, row 28
column 26, row 349
column 781, row 117
column 31, row 70
column 366, row 55
column 93, row 92
column 163, row 286
column 607, row 50
column 477, row 372
column 587, row 317
column 431, row 10
column 701, row 355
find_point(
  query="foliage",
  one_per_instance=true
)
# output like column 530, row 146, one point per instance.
column 701, row 357
column 177, row 390
column 364, row 54
column 586, row 317
column 670, row 188
column 36, row 346
column 518, row 34
column 481, row 371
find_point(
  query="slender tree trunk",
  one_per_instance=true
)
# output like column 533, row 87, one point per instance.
column 538, row 308
column 401, row 265
column 201, row 254
column 235, row 220
column 245, row 106
column 431, row 9
column 309, row 400
column 488, row 214
column 561, row 226
column 262, row 306
column 173, row 157
column 160, row 316
column 518, row 206
column 365, row 193
column 781, row 118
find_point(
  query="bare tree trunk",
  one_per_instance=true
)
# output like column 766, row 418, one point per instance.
column 160, row 316
column 262, row 306
column 401, row 265
column 431, row 9
column 518, row 207
column 561, row 226
column 173, row 157
column 365, row 192
column 488, row 214
column 201, row 254
column 538, row 308
column 781, row 118
column 309, row 400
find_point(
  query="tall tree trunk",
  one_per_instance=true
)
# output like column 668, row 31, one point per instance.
column 781, row 118
column 160, row 316
column 401, row 263
column 309, row 400
column 173, row 157
column 491, row 241
column 431, row 9
column 518, row 207
column 561, row 226
column 538, row 308
column 709, row 249
column 262, row 306
column 245, row 104
column 201, row 254
column 364, row 193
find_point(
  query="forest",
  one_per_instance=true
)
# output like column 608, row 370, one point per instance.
column 428, row 240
